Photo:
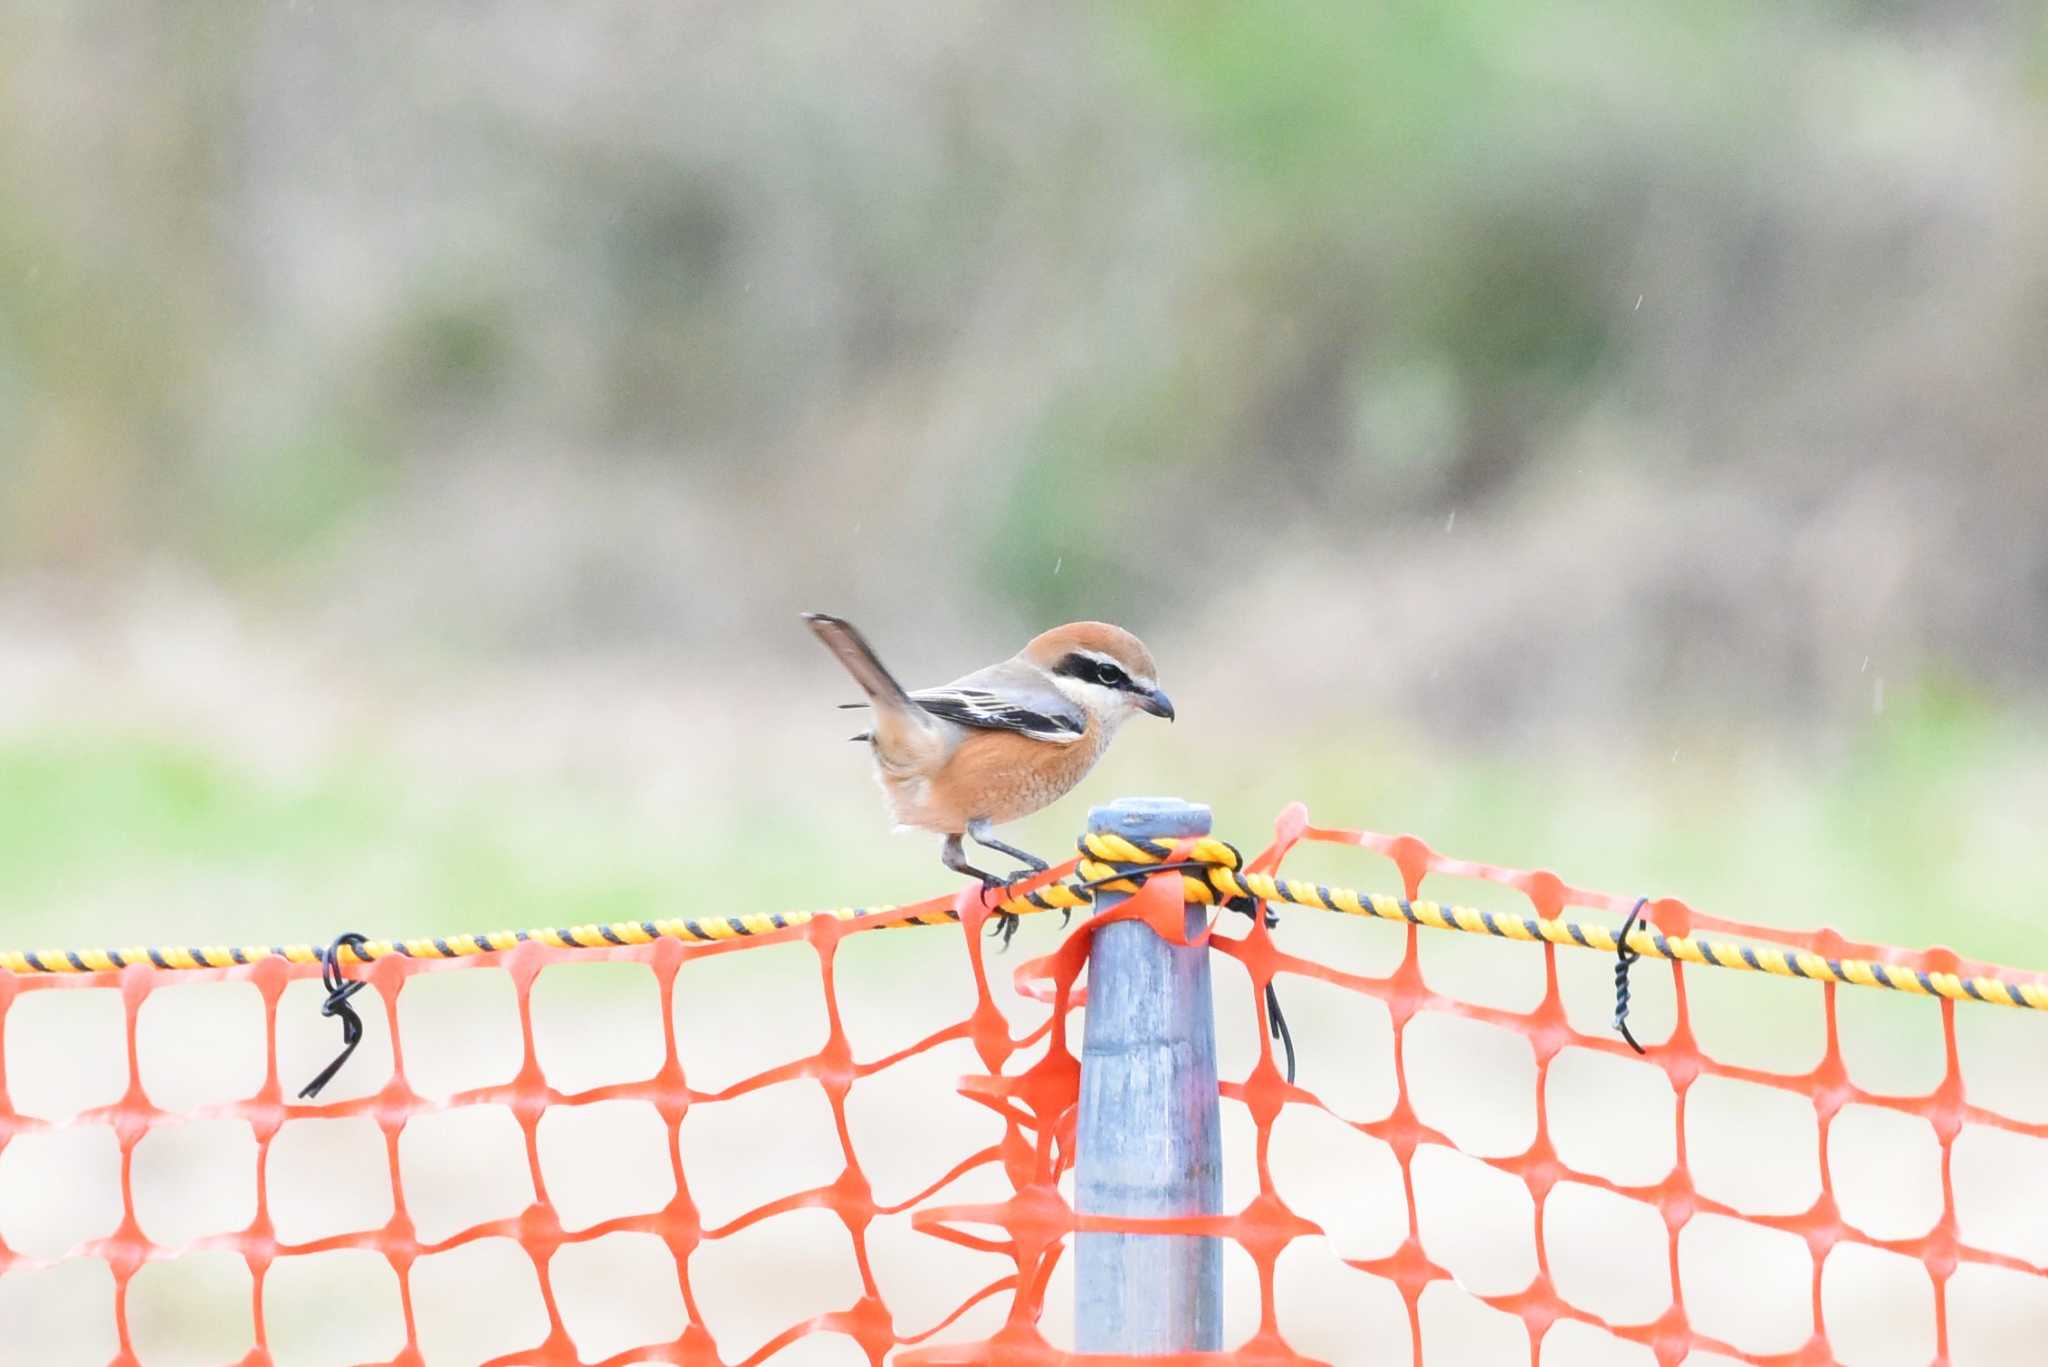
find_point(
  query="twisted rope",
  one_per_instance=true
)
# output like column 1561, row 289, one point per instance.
column 1211, row 872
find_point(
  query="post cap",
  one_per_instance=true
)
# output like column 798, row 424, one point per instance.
column 1158, row 818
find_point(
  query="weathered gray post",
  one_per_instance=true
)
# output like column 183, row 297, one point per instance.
column 1148, row 1138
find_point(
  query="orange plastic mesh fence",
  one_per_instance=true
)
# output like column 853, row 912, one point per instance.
column 1717, row 1286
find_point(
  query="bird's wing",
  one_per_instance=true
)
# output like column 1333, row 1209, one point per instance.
column 1011, row 696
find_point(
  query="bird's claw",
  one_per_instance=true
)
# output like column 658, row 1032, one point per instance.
column 1003, row 925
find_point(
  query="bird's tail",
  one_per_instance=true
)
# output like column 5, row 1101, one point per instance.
column 905, row 736
column 859, row 657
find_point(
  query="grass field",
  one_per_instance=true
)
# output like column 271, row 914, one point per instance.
column 1921, row 831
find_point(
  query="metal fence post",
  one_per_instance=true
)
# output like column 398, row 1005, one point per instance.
column 1148, row 1137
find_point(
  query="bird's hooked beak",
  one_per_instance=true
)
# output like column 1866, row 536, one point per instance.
column 1157, row 703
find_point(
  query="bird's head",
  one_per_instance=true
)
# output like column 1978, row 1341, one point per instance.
column 1102, row 667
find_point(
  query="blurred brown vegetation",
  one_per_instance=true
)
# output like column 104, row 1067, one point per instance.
column 1578, row 360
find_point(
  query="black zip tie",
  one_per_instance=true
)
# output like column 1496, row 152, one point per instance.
column 1278, row 1023
column 339, row 990
column 1138, row 873
column 1625, row 956
column 1236, row 902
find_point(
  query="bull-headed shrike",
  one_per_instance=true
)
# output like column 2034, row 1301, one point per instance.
column 1002, row 742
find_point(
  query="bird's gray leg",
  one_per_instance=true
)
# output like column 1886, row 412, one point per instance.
column 954, row 857
column 984, row 834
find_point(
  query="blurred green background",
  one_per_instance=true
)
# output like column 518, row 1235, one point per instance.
column 1589, row 435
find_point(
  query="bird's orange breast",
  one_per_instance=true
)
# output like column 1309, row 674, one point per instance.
column 994, row 775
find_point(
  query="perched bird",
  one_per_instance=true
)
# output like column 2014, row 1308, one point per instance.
column 1004, row 741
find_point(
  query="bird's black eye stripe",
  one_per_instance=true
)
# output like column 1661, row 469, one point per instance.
column 1088, row 669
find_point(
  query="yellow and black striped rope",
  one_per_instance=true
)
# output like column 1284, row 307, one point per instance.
column 1691, row 949
column 1227, row 881
column 603, row 935
column 1110, row 863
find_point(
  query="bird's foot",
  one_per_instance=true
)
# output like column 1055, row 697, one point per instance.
column 995, row 890
column 1006, row 883
column 1003, row 926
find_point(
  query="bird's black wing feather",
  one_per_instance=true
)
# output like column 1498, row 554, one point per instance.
column 972, row 707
